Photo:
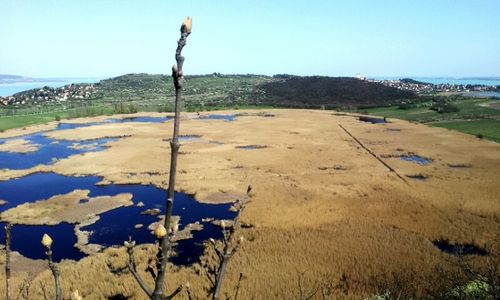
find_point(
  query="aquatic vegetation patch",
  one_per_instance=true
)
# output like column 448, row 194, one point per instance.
column 460, row 166
column 417, row 176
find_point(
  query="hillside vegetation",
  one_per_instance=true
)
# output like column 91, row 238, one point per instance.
column 231, row 90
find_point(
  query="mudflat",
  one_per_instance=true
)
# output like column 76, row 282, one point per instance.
column 332, row 201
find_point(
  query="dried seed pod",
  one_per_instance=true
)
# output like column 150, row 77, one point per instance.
column 76, row 295
column 160, row 231
column 187, row 25
column 46, row 241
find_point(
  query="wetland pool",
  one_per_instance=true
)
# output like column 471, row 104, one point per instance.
column 114, row 226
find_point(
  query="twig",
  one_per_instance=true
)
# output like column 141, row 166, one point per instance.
column 238, row 287
column 164, row 233
column 8, row 228
column 132, row 267
column 188, row 291
column 178, row 77
column 47, row 243
column 230, row 247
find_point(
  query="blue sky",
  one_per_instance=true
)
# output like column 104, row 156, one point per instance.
column 70, row 38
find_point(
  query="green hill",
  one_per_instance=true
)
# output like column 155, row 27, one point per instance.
column 231, row 90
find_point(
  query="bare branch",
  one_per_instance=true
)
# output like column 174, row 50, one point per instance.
column 132, row 267
column 174, row 293
column 188, row 291
column 238, row 286
column 231, row 245
column 8, row 228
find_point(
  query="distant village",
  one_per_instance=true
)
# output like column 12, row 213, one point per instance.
column 48, row 95
column 418, row 87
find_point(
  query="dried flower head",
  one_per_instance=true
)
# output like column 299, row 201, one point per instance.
column 187, row 25
column 129, row 244
column 160, row 231
column 76, row 295
column 46, row 241
column 175, row 227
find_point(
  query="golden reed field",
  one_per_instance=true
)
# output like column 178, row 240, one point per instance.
column 332, row 203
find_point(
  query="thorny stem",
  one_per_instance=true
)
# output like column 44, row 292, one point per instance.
column 8, row 227
column 174, row 145
column 55, row 272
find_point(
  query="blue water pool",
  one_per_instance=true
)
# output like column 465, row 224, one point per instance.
column 140, row 119
column 227, row 118
column 416, row 159
column 49, row 150
column 114, row 226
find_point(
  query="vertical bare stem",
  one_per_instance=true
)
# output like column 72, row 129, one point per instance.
column 55, row 272
column 178, row 77
column 8, row 227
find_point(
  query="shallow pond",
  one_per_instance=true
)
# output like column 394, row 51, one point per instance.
column 416, row 159
column 251, row 147
column 459, row 249
column 50, row 150
column 114, row 226
column 139, row 119
column 227, row 118
column 372, row 120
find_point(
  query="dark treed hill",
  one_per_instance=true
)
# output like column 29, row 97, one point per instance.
column 329, row 92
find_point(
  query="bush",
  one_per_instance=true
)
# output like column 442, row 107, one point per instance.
column 58, row 118
column 480, row 136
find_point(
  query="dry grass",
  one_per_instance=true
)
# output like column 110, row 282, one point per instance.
column 64, row 208
column 18, row 146
column 338, row 226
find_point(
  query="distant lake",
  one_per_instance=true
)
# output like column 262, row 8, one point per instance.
column 483, row 94
column 9, row 89
column 450, row 80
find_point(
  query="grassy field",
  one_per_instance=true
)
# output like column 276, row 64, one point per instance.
column 474, row 116
column 8, row 122
column 488, row 129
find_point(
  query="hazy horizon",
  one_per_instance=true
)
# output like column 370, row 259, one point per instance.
column 61, row 39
